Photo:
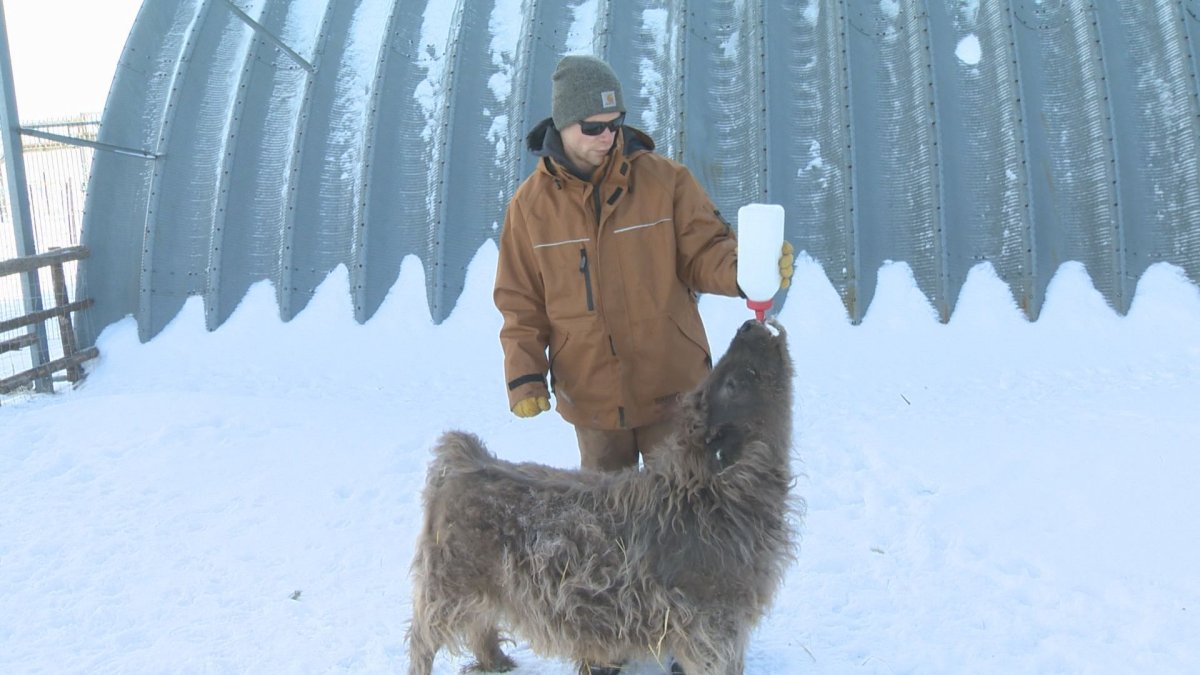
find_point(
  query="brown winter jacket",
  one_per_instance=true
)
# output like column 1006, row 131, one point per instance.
column 606, row 278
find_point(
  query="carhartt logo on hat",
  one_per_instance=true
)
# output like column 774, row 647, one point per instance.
column 583, row 86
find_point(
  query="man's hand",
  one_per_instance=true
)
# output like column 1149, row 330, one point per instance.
column 531, row 406
column 787, row 261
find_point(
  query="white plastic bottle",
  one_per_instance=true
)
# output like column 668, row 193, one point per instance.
column 760, row 241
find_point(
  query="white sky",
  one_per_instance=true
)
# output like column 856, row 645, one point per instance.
column 64, row 53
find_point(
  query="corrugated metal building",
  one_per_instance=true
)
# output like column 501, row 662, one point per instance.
column 279, row 139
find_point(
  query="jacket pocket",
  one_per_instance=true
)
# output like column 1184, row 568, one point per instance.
column 566, row 269
column 647, row 256
column 673, row 356
column 690, row 325
column 582, row 368
column 693, row 330
column 558, row 341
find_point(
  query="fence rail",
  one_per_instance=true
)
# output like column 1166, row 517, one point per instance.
column 72, row 360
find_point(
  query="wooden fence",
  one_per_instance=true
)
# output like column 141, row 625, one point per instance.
column 71, row 360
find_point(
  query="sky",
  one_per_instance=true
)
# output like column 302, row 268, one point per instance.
column 64, row 53
column 988, row 495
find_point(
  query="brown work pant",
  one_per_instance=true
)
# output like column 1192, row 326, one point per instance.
column 616, row 449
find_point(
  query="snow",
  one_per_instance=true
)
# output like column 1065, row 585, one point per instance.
column 581, row 35
column 431, row 92
column 988, row 496
column 505, row 23
column 968, row 50
column 656, row 32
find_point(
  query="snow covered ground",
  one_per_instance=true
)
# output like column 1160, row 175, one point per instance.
column 985, row 496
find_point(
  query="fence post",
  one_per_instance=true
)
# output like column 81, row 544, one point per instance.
column 65, row 330
column 18, row 195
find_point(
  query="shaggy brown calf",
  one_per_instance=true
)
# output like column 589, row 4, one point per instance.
column 681, row 558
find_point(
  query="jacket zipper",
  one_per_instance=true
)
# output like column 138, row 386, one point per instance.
column 583, row 256
column 587, row 277
column 596, row 204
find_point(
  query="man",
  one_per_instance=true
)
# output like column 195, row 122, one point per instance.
column 604, row 249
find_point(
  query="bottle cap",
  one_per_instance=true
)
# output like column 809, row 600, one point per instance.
column 760, row 308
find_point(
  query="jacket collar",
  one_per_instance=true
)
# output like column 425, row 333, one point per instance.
column 544, row 141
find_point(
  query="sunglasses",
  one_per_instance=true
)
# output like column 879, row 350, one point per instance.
column 597, row 128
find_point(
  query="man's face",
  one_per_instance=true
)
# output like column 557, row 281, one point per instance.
column 588, row 152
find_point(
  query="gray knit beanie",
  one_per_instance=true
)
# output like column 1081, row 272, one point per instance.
column 583, row 86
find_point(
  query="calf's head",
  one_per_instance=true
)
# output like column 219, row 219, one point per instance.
column 748, row 395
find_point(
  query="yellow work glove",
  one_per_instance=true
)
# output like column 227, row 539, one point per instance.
column 528, row 407
column 787, row 260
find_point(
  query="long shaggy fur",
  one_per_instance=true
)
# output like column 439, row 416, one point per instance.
column 681, row 558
